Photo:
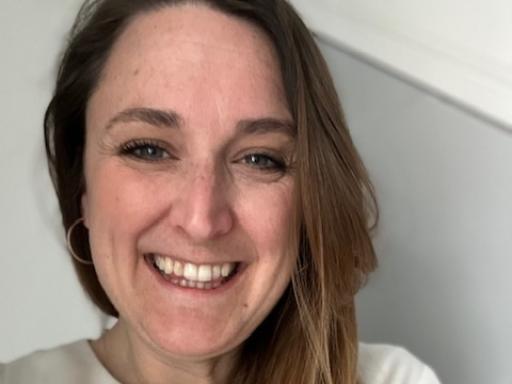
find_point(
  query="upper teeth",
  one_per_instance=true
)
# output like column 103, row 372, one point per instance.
column 193, row 272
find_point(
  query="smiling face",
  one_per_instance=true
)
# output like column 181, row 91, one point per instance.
column 188, row 183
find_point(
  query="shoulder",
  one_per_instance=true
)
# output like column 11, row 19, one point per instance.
column 386, row 364
column 70, row 363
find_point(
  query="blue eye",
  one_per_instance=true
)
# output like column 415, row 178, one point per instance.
column 264, row 162
column 145, row 151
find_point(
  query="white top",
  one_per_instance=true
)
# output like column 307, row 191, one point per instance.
column 76, row 363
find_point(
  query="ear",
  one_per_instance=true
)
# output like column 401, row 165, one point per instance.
column 85, row 209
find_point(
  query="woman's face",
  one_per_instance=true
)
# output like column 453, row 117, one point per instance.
column 187, row 166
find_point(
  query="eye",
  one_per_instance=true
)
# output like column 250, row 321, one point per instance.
column 264, row 162
column 145, row 150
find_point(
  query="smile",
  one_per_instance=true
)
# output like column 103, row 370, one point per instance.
column 190, row 275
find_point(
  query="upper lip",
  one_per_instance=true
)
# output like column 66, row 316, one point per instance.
column 182, row 260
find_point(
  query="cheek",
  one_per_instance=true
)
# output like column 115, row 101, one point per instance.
column 266, row 217
column 121, row 206
column 120, row 198
column 266, row 220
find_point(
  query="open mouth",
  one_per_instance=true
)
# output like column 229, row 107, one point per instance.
column 190, row 275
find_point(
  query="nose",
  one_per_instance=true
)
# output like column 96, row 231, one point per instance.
column 202, row 210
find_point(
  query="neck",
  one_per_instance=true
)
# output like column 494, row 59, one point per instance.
column 132, row 360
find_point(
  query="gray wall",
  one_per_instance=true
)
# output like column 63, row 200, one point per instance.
column 443, row 179
column 444, row 182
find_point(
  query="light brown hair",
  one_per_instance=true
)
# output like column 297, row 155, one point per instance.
column 310, row 337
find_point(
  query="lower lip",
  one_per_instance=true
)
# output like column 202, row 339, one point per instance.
column 213, row 291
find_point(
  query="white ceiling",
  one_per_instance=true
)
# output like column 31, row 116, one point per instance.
column 458, row 49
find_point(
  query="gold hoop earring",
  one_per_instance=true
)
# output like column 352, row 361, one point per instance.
column 70, row 247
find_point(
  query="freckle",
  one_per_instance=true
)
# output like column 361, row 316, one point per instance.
column 136, row 72
column 246, row 305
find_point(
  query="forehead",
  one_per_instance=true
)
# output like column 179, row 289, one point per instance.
column 188, row 57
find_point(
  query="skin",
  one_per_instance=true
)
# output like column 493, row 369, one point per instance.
column 203, row 190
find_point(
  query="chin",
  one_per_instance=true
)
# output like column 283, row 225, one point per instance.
column 192, row 337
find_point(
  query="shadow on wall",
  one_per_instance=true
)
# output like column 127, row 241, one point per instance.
column 444, row 182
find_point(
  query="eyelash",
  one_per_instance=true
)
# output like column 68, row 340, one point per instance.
column 133, row 148
column 158, row 153
column 276, row 166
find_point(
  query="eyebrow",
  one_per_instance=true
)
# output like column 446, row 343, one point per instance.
column 171, row 119
column 266, row 125
column 151, row 116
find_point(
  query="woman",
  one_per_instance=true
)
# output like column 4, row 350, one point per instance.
column 213, row 200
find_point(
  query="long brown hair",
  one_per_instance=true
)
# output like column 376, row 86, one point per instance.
column 310, row 337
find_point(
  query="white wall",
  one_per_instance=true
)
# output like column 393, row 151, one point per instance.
column 443, row 178
column 40, row 300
